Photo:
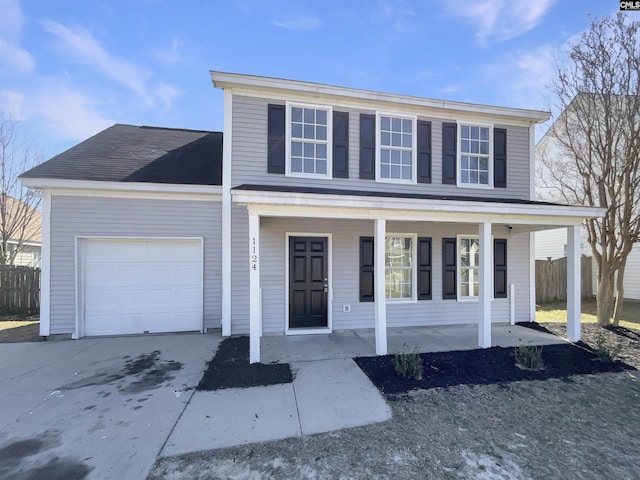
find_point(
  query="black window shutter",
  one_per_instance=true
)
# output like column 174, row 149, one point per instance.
column 449, row 153
column 341, row 144
column 367, row 146
column 424, row 268
column 366, row 269
column 276, row 138
column 424, row 151
column 500, row 268
column 500, row 157
column 449, row 281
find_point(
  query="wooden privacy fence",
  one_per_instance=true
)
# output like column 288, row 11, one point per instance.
column 551, row 279
column 19, row 290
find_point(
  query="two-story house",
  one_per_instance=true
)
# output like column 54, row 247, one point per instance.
column 324, row 208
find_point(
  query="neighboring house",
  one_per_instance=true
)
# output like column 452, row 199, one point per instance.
column 28, row 247
column 552, row 244
column 325, row 208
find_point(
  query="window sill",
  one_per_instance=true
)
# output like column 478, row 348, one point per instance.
column 309, row 175
column 474, row 186
column 393, row 180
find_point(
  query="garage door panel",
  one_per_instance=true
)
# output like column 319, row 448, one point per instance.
column 136, row 286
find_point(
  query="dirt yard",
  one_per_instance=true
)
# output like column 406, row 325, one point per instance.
column 582, row 427
column 22, row 330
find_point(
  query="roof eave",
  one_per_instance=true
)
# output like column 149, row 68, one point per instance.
column 225, row 80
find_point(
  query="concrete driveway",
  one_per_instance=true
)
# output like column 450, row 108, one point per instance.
column 98, row 408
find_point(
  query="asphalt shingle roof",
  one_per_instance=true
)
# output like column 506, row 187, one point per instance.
column 128, row 153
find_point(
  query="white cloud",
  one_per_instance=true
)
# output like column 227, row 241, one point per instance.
column 171, row 55
column 67, row 112
column 398, row 15
column 84, row 48
column 12, row 103
column 81, row 45
column 13, row 58
column 167, row 94
column 11, row 20
column 500, row 20
column 524, row 78
column 299, row 22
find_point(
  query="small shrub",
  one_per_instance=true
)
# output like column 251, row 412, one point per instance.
column 529, row 357
column 408, row 365
column 605, row 350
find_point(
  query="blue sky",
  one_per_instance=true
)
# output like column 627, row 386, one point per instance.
column 70, row 68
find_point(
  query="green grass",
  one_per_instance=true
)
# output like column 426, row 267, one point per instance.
column 557, row 312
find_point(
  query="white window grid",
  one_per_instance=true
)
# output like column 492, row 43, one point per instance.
column 400, row 272
column 475, row 157
column 396, row 139
column 309, row 140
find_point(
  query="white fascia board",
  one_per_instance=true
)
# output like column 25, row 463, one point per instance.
column 410, row 208
column 235, row 81
column 55, row 183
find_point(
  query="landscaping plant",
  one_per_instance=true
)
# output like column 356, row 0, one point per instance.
column 408, row 365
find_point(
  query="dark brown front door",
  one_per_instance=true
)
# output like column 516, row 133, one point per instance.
column 308, row 282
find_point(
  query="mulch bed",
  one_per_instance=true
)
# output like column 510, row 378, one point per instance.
column 592, row 334
column 484, row 367
column 230, row 368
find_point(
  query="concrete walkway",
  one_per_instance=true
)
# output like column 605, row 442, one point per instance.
column 325, row 395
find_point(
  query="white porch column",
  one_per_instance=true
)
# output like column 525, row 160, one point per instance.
column 254, row 288
column 486, row 287
column 573, row 283
column 378, row 288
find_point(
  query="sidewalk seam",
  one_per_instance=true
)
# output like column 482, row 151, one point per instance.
column 295, row 398
column 175, row 424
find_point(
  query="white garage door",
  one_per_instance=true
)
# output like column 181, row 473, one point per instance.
column 138, row 286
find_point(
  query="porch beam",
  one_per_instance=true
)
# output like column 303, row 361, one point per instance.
column 573, row 282
column 254, row 288
column 486, row 287
column 378, row 289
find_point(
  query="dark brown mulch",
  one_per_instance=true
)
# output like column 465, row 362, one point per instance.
column 484, row 367
column 230, row 368
column 592, row 334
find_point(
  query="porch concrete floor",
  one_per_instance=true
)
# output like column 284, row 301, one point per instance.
column 361, row 343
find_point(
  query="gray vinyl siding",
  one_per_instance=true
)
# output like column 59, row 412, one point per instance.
column 249, row 153
column 126, row 217
column 345, row 275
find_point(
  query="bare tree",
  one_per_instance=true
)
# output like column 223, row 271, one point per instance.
column 19, row 214
column 594, row 156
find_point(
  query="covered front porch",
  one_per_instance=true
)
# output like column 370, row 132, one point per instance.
column 362, row 342
column 486, row 219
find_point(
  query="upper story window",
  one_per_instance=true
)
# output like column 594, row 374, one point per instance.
column 309, row 140
column 475, row 157
column 397, row 148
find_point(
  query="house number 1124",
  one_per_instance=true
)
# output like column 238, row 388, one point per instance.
column 254, row 256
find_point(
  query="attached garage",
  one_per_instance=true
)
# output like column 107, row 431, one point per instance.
column 140, row 285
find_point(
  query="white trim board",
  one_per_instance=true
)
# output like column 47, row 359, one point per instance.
column 139, row 187
column 241, row 82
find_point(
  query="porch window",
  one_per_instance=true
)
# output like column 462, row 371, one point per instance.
column 468, row 267
column 399, row 267
column 309, row 140
column 397, row 148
